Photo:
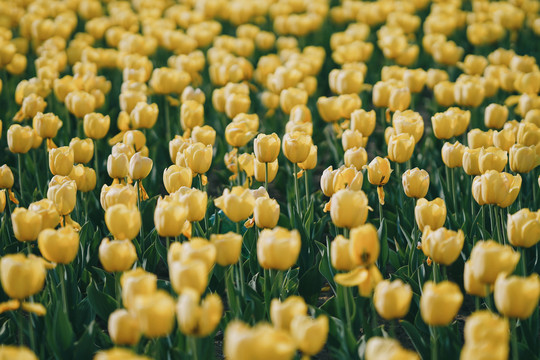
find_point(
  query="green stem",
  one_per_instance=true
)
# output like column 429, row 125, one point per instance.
column 434, row 343
column 435, row 272
column 240, row 267
column 306, row 185
column 476, row 303
column 345, row 292
column 498, row 224
column 193, row 346
column 488, row 298
column 365, row 324
column 523, row 261
column 231, row 294
column 381, row 215
column 513, row 335
column 118, row 288
column 139, row 208
column 19, row 174
column 296, row 194
column 62, row 274
column 96, row 163
column 167, row 120
column 453, row 190
column 266, row 176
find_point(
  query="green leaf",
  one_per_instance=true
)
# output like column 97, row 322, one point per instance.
column 103, row 304
column 416, row 339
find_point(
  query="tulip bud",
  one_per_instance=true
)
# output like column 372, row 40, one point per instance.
column 340, row 254
column 356, row 157
column 61, row 161
column 291, row 97
column 363, row 121
column 266, row 213
column 204, row 134
column 278, row 248
column 123, row 328
column 444, row 93
column 472, row 285
column 63, row 193
column 329, row 108
column 228, row 247
column 83, row 150
column 489, row 259
column 191, row 114
column 430, row 213
column 266, row 147
column 444, row 295
column 496, row 188
column 237, row 203
column 351, row 139
column 59, row 246
column 392, row 299
column 22, row 276
column 364, row 245
column 379, row 348
column 6, row 177
column 155, row 313
column 135, row 138
column 123, row 222
column 399, row 99
column 188, row 275
column 198, row 157
column 442, row 246
column 282, row 313
column 17, row 352
column 408, row 122
column 117, row 166
column 169, row 217
column 117, row 255
column 523, row 228
column 379, row 171
column 139, row 166
column 80, row 103
column 20, row 138
column 470, row 161
column 517, row 297
column 236, row 104
column 195, row 200
column 349, row 208
column 452, row 154
column 400, row 147
column 46, row 209
column 415, row 79
column 46, row 125
column 310, row 334
column 174, row 177
column 478, row 138
column 492, row 158
column 96, row 125
column 198, row 320
column 528, row 134
column 495, row 116
column 415, row 183
column 523, row 159
column 26, row 224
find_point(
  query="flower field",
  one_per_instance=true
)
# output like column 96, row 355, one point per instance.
column 269, row 179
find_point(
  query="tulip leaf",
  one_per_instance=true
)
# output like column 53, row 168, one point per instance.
column 382, row 232
column 102, row 303
column 85, row 347
column 416, row 338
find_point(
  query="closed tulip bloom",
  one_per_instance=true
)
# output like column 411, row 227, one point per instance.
column 266, row 213
column 46, row 209
column 196, row 201
column 478, row 138
column 6, row 177
column 198, row 157
column 444, row 125
column 80, row 103
column 523, row 228
column 266, row 147
column 442, row 245
column 408, row 122
column 489, row 259
column 155, row 313
column 236, row 104
column 331, row 181
column 498, row 188
column 379, row 171
column 399, row 99
column 444, row 93
column 444, row 295
column 349, row 208
column 169, row 217
column 400, row 147
column 329, row 108
column 291, row 97
column 123, row 222
column 340, row 254
column 96, row 125
column 517, row 297
column 492, row 158
column 198, row 320
column 435, row 76
column 237, row 203
column 310, row 334
column 363, row 121
column 204, row 134
column 26, row 224
column 296, row 146
column 63, row 194
column 46, row 125
column 117, row 255
column 134, row 283
column 352, row 139
column 379, row 348
column 392, row 299
column 523, row 159
column 495, row 116
column 430, row 213
column 123, row 328
column 472, row 285
column 415, row 183
column 471, row 164
column 528, row 134
column 278, row 248
column 191, row 114
column 356, row 157
column 144, row 116
column 22, row 276
column 59, row 246
column 174, row 177
column 118, row 353
column 415, row 79
column 483, row 326
column 61, row 161
column 85, row 178
column 118, row 194
column 20, row 138
column 135, row 138
column 452, row 154
column 139, row 166
column 282, row 313
column 118, row 166
column 83, row 150
column 188, row 275
column 259, row 170
column 17, row 352
column 228, row 247
column 199, row 249
column 364, row 245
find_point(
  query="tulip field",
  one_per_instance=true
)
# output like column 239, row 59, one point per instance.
column 269, row 179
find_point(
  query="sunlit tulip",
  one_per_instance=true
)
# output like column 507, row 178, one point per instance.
column 174, row 177
column 364, row 245
column 523, row 159
column 517, row 297
column 188, row 275
column 155, row 313
column 61, row 161
column 46, row 125
column 196, row 201
column 123, row 222
column 117, row 255
column 495, row 116
column 489, row 259
column 349, row 208
column 237, row 203
column 83, row 150
column 392, row 299
column 379, row 348
column 278, row 248
column 492, row 158
column 19, row 138
column 198, row 157
column 452, row 154
column 363, row 121
column 524, row 228
column 340, row 254
column 443, row 246
column 59, row 246
column 444, row 295
column 96, row 125
column 169, row 217
column 22, row 276
column 310, row 334
column 26, row 224
column 198, row 320
column 123, row 328
column 228, row 247
column 415, row 183
column 430, row 213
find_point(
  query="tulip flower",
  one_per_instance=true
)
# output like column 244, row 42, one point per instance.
column 266, row 147
column 452, row 154
column 195, row 200
column 19, row 138
column 198, row 320
column 340, row 254
column 22, row 276
column 495, row 116
column 364, row 245
column 59, row 246
column 444, row 295
column 430, row 213
column 392, row 299
column 198, row 157
column 443, row 246
column 204, row 134
column 174, row 177
column 278, row 248
column 363, row 121
column 349, row 208
column 123, row 222
column 472, row 285
column 379, row 348
column 310, row 334
column 188, row 275
column 517, row 297
column 379, row 171
column 26, row 224
column 415, row 183
column 117, row 255
column 191, row 115
column 228, row 247
column 282, row 313
column 356, row 157
column 266, row 213
column 169, row 217
column 523, row 159
column 155, row 313
column 492, row 158
column 123, row 328
column 523, row 228
column 489, row 259
column 83, row 150
column 17, row 352
column 237, row 203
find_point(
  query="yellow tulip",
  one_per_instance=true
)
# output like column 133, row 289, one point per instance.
column 291, row 97
column 26, row 224
column 19, row 138
column 379, row 348
column 472, row 285
column 198, row 320
column 118, row 166
column 311, row 161
column 196, row 201
column 139, row 166
column 174, row 177
column 123, row 222
column 123, row 328
column 392, row 299
column 444, row 295
column 266, row 147
column 135, row 138
column 117, row 255
column 144, row 116
column 310, row 334
column 237, row 203
column 118, row 194
column 198, row 157
column 80, row 103
column 430, row 213
column 363, row 121
column 118, row 353
column 349, row 208
column 379, row 171
column 46, row 125
column 22, row 276
column 155, row 313
column 517, row 297
column 452, row 154
column 523, row 159
column 415, row 183
column 188, row 275
column 204, row 134
column 492, row 158
column 296, row 146
column 16, row 353
column 59, row 246
column 352, row 139
column 523, row 228
column 489, row 259
column 408, row 122
column 228, row 247
column 442, row 245
column 470, row 161
column 278, row 248
column 6, row 177
column 83, row 150
column 61, row 161
column 169, row 217
column 340, row 254
column 497, row 188
column 282, row 313
column 478, row 138
column 495, row 116
column 266, row 213
column 485, row 327
column 364, row 245
column 191, row 114
column 96, row 125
